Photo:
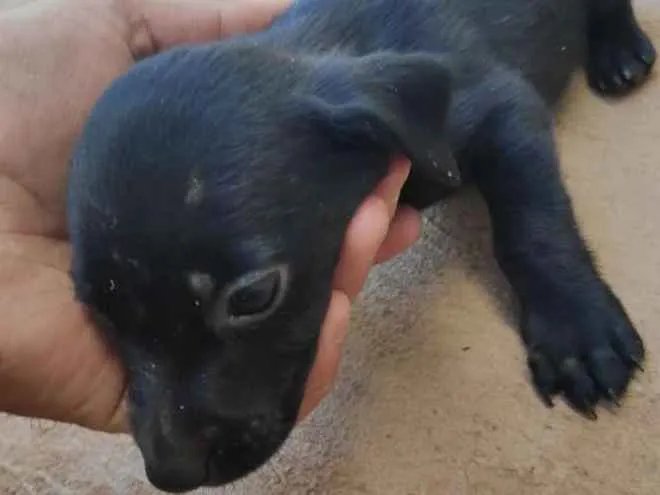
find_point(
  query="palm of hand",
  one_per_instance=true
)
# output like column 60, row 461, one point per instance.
column 39, row 312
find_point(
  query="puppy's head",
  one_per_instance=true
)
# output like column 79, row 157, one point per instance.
column 208, row 200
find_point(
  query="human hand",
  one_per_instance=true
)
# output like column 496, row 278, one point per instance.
column 57, row 58
column 379, row 231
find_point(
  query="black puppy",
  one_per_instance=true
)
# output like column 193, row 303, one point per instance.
column 213, row 185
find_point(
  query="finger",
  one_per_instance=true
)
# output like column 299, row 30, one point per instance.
column 364, row 236
column 367, row 231
column 390, row 187
column 404, row 231
column 159, row 24
column 331, row 342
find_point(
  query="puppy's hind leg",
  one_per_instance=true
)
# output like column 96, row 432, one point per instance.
column 580, row 342
column 620, row 54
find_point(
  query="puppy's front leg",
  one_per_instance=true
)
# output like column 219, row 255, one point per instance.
column 579, row 340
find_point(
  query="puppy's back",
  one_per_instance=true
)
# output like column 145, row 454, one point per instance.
column 544, row 39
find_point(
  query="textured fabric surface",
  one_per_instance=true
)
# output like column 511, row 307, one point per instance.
column 433, row 396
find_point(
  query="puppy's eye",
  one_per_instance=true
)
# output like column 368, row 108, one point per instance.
column 254, row 298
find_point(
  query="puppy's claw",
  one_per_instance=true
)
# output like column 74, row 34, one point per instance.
column 648, row 58
column 637, row 363
column 546, row 398
column 646, row 53
column 543, row 376
column 627, row 73
column 610, row 394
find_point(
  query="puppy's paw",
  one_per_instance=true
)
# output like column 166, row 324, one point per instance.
column 619, row 59
column 588, row 353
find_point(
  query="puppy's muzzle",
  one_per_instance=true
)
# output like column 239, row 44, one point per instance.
column 183, row 450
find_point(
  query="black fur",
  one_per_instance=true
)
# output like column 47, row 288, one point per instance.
column 213, row 175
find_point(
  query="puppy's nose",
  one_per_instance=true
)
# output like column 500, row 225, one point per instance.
column 176, row 461
column 177, row 475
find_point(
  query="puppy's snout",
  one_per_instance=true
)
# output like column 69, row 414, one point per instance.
column 176, row 459
column 179, row 460
column 175, row 446
column 190, row 438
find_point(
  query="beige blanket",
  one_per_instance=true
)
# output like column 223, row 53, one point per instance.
column 433, row 397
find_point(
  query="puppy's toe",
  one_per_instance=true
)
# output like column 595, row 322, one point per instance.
column 620, row 62
column 587, row 354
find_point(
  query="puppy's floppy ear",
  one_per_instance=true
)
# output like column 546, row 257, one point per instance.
column 397, row 102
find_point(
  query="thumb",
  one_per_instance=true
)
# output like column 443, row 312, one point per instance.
column 156, row 25
column 328, row 356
